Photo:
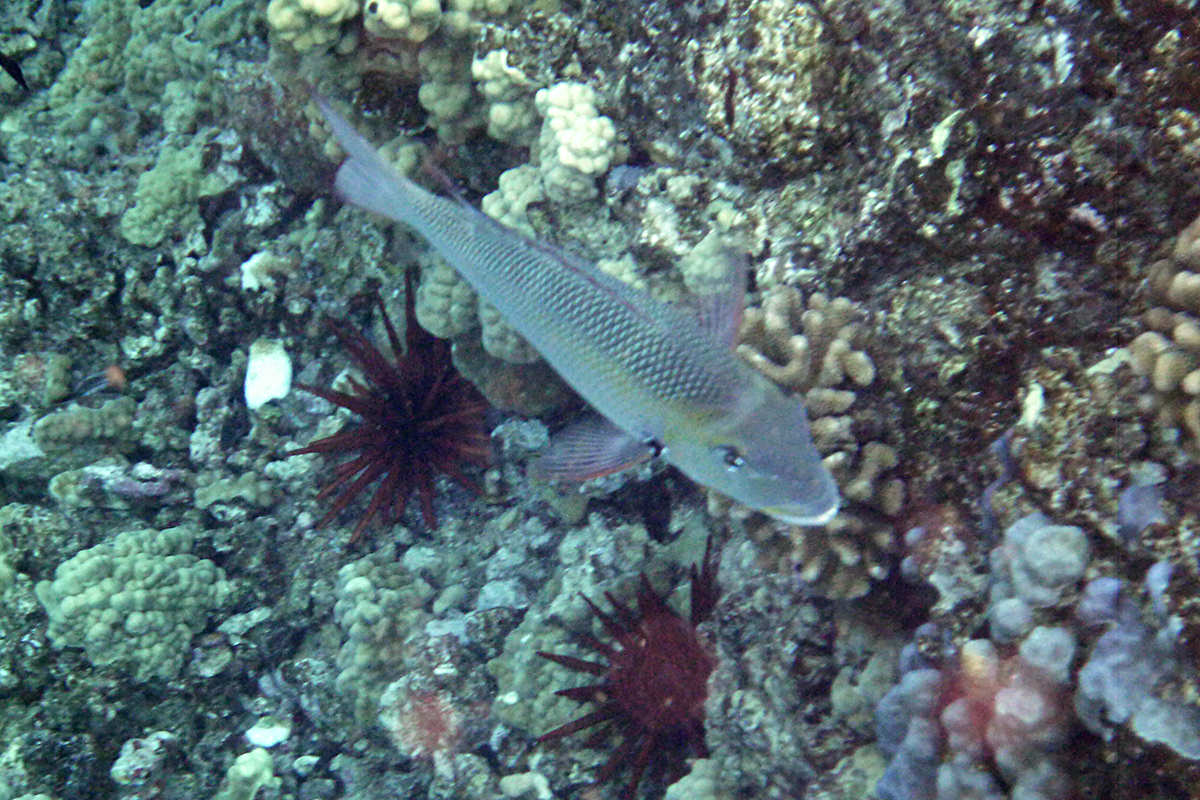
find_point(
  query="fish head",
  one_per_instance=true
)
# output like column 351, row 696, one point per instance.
column 760, row 453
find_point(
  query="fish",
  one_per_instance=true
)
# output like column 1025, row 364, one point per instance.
column 663, row 377
column 13, row 68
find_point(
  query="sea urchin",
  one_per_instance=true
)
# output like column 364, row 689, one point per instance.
column 654, row 683
column 419, row 417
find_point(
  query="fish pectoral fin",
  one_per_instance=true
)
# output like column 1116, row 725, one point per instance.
column 587, row 449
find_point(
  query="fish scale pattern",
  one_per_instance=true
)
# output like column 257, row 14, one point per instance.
column 671, row 356
column 575, row 317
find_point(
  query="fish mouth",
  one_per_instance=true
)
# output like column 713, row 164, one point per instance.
column 804, row 516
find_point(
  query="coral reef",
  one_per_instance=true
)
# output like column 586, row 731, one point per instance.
column 1033, row 566
column 768, row 724
column 768, row 99
column 945, row 551
column 120, row 486
column 511, row 113
column 141, row 764
column 990, row 187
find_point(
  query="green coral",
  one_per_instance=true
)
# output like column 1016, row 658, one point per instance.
column 137, row 600
column 308, row 24
column 166, row 195
column 379, row 603
column 221, row 496
column 248, row 773
column 78, row 435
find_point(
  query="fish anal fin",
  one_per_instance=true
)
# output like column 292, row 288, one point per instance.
column 590, row 448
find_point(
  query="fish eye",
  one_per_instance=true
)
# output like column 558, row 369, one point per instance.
column 732, row 457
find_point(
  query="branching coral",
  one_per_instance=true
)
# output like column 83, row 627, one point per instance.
column 806, row 345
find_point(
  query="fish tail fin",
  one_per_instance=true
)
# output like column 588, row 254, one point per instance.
column 365, row 178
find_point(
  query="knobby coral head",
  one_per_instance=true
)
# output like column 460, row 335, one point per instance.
column 418, row 417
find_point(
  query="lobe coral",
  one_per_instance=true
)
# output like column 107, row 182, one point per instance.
column 653, row 683
column 419, row 417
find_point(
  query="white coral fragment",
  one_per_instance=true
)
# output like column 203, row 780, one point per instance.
column 268, row 373
column 259, row 271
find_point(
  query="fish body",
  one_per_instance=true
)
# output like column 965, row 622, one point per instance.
column 664, row 377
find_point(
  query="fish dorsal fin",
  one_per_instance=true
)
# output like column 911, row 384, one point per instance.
column 717, row 276
column 590, row 448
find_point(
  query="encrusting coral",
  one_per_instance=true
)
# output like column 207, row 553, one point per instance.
column 990, row 714
column 951, row 729
column 379, row 606
column 766, row 100
column 816, row 348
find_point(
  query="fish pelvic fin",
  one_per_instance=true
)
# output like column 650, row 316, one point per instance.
column 590, row 448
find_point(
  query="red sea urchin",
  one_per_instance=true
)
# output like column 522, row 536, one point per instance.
column 419, row 417
column 655, row 683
